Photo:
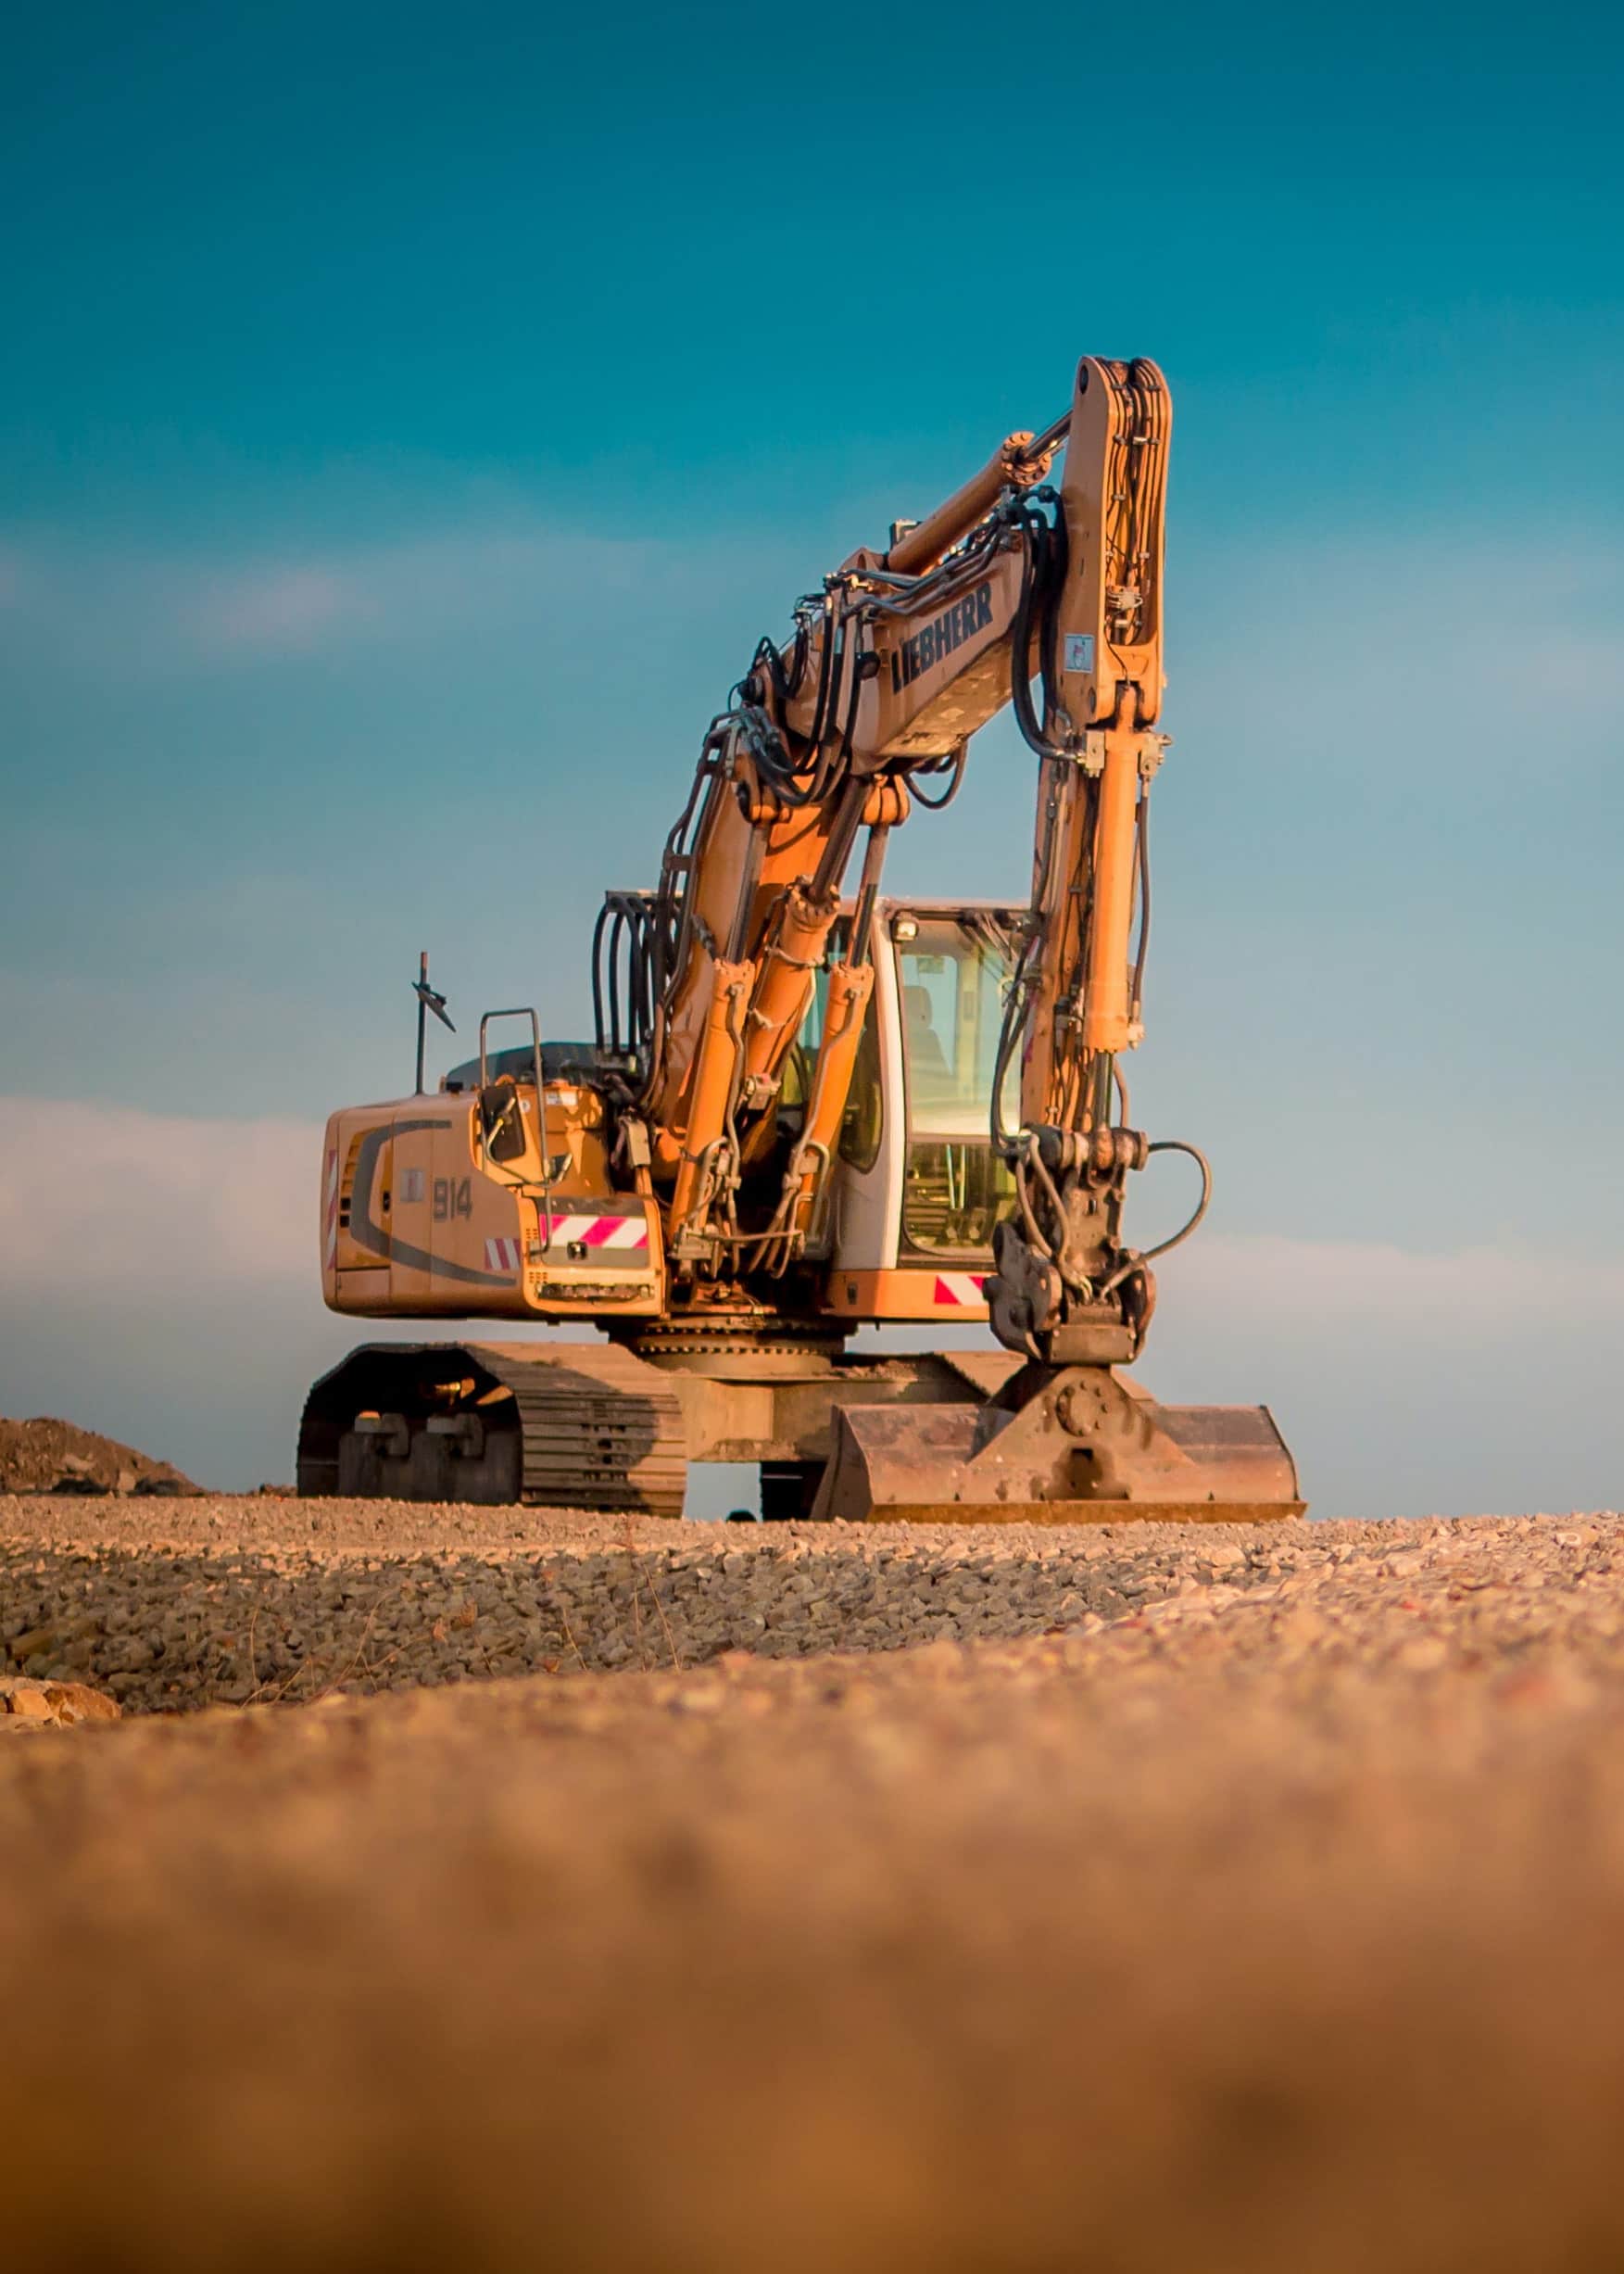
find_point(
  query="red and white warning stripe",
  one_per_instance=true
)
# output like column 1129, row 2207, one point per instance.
column 599, row 1230
column 503, row 1254
column 958, row 1287
column 329, row 1208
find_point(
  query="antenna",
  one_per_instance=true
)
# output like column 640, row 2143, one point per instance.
column 427, row 999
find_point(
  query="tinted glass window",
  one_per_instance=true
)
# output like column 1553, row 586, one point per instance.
column 951, row 979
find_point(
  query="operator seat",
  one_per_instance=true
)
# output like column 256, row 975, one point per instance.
column 926, row 1059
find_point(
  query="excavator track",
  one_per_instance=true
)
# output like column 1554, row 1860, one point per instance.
column 581, row 1426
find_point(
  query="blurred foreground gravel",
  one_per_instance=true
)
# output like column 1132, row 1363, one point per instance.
column 1268, row 1920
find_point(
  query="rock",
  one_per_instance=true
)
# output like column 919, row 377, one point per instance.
column 61, row 1703
column 77, row 1701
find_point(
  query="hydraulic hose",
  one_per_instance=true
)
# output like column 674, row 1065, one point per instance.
column 1137, row 1262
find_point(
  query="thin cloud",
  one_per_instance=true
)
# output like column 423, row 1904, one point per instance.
column 140, row 1209
column 280, row 609
column 137, row 612
column 1473, row 1290
column 1329, row 614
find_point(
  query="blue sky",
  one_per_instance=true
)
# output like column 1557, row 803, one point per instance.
column 412, row 421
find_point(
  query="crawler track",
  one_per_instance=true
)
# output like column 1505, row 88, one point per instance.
column 496, row 1423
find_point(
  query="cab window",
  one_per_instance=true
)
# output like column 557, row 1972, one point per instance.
column 951, row 976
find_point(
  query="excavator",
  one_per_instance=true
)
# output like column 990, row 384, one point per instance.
column 808, row 1107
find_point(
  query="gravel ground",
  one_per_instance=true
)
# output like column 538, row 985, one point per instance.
column 1277, row 1924
column 256, row 1599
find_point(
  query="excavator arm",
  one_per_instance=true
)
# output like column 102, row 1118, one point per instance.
column 835, row 736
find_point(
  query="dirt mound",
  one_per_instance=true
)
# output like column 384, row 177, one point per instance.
column 45, row 1455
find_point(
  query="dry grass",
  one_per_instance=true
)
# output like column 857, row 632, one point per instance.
column 640, row 1578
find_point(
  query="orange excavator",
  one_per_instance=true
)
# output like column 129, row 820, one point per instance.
column 808, row 1107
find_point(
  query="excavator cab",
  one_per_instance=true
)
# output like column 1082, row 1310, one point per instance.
column 918, row 1187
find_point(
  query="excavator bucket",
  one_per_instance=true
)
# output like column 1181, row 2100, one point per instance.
column 1080, row 1447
